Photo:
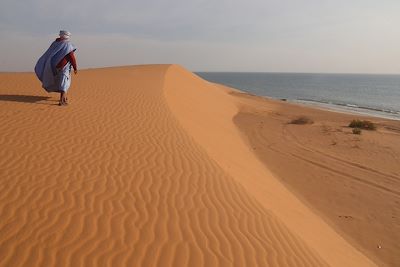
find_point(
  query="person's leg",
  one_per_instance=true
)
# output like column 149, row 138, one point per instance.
column 64, row 79
column 63, row 98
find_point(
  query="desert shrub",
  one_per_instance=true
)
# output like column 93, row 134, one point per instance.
column 356, row 131
column 366, row 125
column 301, row 120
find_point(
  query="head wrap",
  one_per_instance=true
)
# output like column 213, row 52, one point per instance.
column 65, row 34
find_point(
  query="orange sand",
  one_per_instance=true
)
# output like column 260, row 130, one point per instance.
column 147, row 167
column 353, row 181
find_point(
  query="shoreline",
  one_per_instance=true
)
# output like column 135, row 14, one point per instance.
column 339, row 108
column 268, row 87
column 348, row 109
column 342, row 109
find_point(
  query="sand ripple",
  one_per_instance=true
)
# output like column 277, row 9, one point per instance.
column 114, row 180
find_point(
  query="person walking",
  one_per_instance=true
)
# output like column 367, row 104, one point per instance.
column 53, row 68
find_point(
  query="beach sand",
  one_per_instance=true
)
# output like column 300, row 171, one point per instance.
column 153, row 166
column 353, row 181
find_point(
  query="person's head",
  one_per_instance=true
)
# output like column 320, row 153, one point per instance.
column 65, row 35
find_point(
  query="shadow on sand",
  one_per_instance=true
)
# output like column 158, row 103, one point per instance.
column 23, row 98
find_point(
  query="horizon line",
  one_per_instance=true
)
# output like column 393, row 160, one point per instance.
column 227, row 71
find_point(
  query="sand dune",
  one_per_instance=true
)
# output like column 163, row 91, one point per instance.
column 145, row 167
column 214, row 129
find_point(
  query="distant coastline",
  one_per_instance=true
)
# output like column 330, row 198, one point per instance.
column 366, row 94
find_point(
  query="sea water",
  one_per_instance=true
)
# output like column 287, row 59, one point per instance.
column 370, row 94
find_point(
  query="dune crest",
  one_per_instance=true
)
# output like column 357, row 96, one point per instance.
column 130, row 175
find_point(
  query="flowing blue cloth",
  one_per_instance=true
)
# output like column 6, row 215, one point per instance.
column 53, row 79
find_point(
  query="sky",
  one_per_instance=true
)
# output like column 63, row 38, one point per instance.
column 324, row 36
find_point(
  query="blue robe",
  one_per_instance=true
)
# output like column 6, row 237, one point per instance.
column 53, row 79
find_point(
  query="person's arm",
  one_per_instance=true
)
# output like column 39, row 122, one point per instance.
column 73, row 61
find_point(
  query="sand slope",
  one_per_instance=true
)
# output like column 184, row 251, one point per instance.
column 119, row 179
column 353, row 181
column 212, row 125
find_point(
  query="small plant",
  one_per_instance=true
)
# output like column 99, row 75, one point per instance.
column 366, row 125
column 356, row 131
column 301, row 120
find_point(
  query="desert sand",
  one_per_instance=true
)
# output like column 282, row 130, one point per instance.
column 153, row 166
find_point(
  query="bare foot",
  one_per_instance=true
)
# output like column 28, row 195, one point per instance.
column 62, row 103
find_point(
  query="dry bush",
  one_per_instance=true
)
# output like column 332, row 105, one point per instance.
column 356, row 131
column 366, row 125
column 301, row 120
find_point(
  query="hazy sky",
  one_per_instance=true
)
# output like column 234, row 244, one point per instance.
column 361, row 36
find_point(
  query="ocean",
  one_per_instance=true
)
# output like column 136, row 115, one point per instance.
column 370, row 94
